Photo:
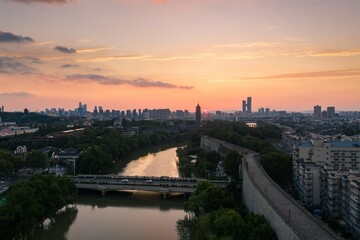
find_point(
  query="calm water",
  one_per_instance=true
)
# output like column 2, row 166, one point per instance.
column 123, row 215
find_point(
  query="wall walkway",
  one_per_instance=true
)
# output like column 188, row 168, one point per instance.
column 261, row 195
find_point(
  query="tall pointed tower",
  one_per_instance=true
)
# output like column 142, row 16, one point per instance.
column 198, row 113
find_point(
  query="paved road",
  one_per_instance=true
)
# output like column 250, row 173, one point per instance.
column 4, row 186
column 138, row 181
column 302, row 222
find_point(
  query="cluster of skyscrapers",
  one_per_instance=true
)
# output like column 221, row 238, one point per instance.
column 104, row 114
column 318, row 114
column 246, row 106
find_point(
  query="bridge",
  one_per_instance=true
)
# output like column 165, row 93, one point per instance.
column 163, row 185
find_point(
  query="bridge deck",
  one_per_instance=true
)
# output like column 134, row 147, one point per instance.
column 143, row 183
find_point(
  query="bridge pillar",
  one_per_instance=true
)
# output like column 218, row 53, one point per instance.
column 164, row 195
column 103, row 192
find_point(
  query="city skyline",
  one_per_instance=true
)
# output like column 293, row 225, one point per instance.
column 123, row 54
column 260, row 110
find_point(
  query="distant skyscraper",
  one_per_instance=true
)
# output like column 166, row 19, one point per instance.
column 267, row 111
column 244, row 106
column 198, row 113
column 330, row 112
column 317, row 112
column 248, row 106
column 134, row 114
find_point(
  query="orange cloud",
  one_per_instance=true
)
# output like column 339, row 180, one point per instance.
column 336, row 53
column 91, row 50
column 355, row 72
column 109, row 58
column 248, row 45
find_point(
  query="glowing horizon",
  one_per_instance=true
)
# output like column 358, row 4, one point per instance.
column 126, row 54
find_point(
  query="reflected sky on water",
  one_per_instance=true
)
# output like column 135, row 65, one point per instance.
column 123, row 215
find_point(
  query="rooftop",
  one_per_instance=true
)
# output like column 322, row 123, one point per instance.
column 338, row 144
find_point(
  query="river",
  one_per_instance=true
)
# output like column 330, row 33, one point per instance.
column 123, row 215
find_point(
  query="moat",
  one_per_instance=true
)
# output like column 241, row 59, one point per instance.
column 123, row 215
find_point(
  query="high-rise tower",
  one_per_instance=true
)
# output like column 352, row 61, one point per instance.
column 244, row 106
column 317, row 112
column 198, row 113
column 330, row 112
column 248, row 105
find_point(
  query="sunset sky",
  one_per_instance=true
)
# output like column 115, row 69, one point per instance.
column 126, row 54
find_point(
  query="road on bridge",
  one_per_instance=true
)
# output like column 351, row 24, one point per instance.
column 146, row 183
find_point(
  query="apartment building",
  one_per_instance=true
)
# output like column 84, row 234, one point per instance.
column 344, row 155
column 351, row 202
column 307, row 182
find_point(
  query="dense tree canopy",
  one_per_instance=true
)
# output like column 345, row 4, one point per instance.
column 231, row 164
column 36, row 159
column 30, row 203
column 257, row 139
column 95, row 160
column 9, row 163
column 278, row 166
column 215, row 219
column 206, row 198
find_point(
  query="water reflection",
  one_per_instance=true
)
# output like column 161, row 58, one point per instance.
column 58, row 229
column 123, row 215
column 135, row 199
column 159, row 164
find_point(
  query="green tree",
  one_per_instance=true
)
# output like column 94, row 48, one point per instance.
column 212, row 160
column 155, row 139
column 278, row 166
column 6, row 168
column 226, row 223
column 10, row 162
column 36, row 159
column 30, row 203
column 205, row 199
column 257, row 228
column 231, row 164
column 96, row 160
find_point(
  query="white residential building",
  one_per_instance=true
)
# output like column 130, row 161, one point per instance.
column 20, row 150
column 344, row 155
column 307, row 182
column 331, row 190
column 326, row 174
column 351, row 202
